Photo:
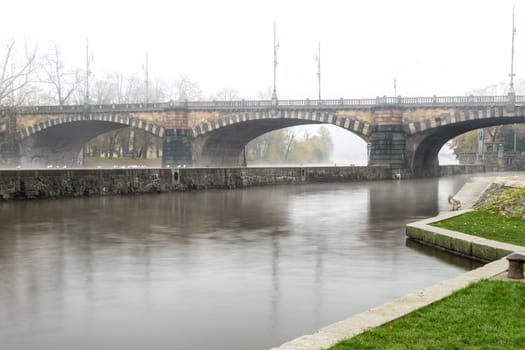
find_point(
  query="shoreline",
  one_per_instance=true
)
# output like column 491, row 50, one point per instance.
column 24, row 184
column 421, row 231
column 28, row 184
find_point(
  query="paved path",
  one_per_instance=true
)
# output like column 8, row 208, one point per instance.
column 470, row 192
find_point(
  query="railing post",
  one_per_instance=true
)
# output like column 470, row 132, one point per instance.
column 511, row 101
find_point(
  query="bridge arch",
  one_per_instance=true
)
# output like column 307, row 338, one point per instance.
column 60, row 140
column 426, row 138
column 109, row 118
column 221, row 141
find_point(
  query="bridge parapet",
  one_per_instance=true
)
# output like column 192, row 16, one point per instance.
column 335, row 104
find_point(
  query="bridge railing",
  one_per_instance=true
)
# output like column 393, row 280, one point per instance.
column 432, row 101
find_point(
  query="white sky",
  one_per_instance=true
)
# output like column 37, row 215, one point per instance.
column 431, row 47
column 441, row 47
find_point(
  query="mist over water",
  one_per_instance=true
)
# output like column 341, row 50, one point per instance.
column 241, row 269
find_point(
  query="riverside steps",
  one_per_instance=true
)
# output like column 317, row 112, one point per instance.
column 486, row 250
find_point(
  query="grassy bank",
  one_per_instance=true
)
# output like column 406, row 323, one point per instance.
column 486, row 315
column 486, row 224
column 92, row 162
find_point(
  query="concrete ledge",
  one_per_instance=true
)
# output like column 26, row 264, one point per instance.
column 375, row 317
column 456, row 242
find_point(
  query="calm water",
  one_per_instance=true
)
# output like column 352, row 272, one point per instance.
column 244, row 269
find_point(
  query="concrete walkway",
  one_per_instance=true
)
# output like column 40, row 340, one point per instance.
column 332, row 334
column 470, row 192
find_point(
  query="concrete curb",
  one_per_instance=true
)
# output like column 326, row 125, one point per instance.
column 456, row 242
column 375, row 317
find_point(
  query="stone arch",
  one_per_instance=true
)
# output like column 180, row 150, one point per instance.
column 59, row 141
column 221, row 141
column 296, row 117
column 426, row 138
column 114, row 118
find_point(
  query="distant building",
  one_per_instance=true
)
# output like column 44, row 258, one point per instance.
column 495, row 157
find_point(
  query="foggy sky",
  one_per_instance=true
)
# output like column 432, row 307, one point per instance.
column 430, row 47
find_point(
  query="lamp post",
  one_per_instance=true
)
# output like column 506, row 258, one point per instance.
column 146, row 81
column 512, row 93
column 275, row 48
column 511, row 75
column 86, row 97
column 395, row 87
column 318, row 59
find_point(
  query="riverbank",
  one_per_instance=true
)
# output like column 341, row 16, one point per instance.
column 58, row 183
column 421, row 231
column 485, row 315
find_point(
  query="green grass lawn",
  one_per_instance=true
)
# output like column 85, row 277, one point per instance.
column 489, row 314
column 123, row 161
column 488, row 225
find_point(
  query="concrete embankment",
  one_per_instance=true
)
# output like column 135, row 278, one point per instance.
column 458, row 243
column 55, row 183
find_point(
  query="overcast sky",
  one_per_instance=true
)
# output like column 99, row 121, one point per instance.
column 431, row 47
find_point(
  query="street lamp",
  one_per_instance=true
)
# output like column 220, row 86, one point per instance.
column 318, row 59
column 275, row 48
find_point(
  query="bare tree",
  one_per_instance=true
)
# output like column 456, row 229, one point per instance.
column 15, row 76
column 289, row 140
column 227, row 94
column 64, row 82
column 185, row 89
column 494, row 132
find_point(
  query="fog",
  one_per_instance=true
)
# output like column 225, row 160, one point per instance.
column 350, row 149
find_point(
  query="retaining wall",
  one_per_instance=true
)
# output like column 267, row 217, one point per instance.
column 457, row 169
column 55, row 183
column 458, row 243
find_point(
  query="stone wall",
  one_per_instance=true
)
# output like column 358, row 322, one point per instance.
column 56, row 183
column 445, row 170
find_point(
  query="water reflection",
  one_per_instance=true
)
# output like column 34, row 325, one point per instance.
column 246, row 269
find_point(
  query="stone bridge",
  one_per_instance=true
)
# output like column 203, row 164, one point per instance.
column 405, row 133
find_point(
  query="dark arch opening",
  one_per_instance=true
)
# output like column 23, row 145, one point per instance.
column 61, row 145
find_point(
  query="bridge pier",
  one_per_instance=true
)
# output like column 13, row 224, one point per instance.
column 9, row 143
column 10, row 152
column 176, row 148
column 388, row 140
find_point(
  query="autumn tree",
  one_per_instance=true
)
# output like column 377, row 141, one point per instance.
column 285, row 146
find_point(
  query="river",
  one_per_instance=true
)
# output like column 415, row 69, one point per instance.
column 238, row 269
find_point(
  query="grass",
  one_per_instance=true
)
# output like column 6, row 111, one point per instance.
column 486, row 224
column 486, row 315
column 489, row 314
column 123, row 161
